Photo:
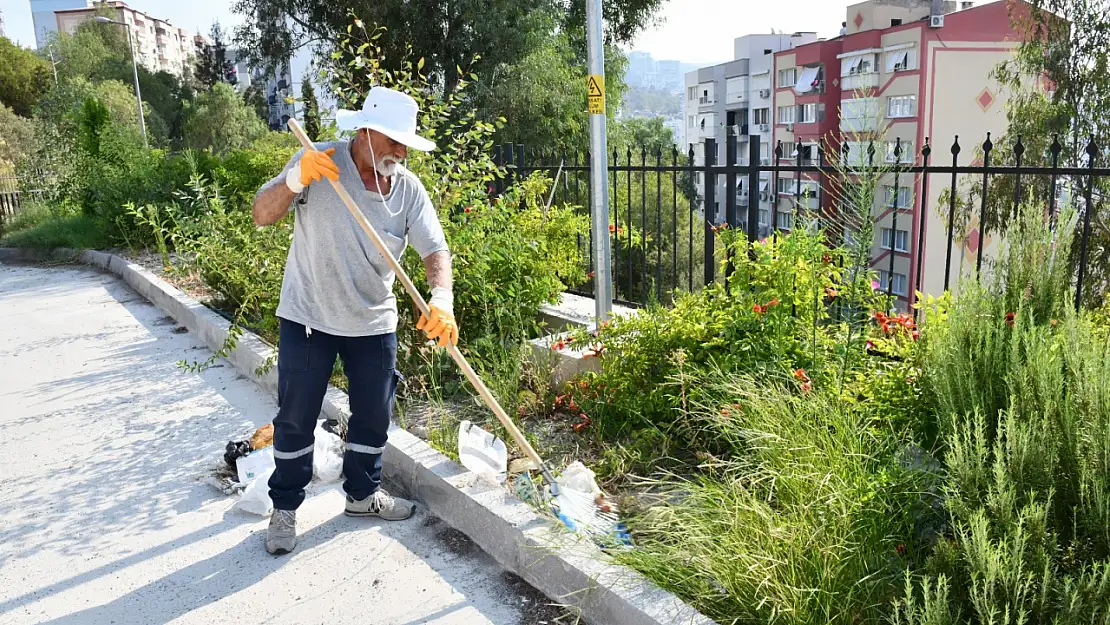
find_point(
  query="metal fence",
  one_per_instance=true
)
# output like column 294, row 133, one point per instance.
column 13, row 198
column 664, row 238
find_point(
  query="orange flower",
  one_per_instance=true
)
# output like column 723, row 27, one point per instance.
column 559, row 399
column 559, row 346
column 759, row 310
column 915, row 334
column 806, row 387
column 800, row 374
column 773, row 302
column 1052, row 322
column 612, row 228
column 1010, row 319
column 583, row 423
column 590, row 276
column 826, row 258
column 831, row 292
column 467, row 209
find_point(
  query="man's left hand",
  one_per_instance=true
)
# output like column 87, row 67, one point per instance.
column 440, row 324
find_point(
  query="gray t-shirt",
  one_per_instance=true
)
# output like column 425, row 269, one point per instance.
column 335, row 279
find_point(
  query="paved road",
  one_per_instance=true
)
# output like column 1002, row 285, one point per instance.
column 103, row 514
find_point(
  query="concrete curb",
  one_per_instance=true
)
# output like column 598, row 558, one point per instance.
column 569, row 570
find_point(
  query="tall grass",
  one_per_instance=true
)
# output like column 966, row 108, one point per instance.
column 811, row 519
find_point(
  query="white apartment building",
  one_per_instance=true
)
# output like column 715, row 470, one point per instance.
column 159, row 45
column 736, row 99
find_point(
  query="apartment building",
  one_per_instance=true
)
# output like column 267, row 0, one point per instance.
column 159, row 45
column 733, row 101
column 904, row 70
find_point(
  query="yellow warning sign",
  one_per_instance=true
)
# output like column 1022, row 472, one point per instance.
column 595, row 93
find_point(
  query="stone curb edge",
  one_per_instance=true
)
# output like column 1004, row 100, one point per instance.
column 569, row 570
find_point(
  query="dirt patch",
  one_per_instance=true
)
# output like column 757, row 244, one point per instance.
column 535, row 608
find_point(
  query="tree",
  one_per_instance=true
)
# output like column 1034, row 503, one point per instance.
column 254, row 96
column 544, row 96
column 311, row 109
column 213, row 65
column 500, row 32
column 219, row 120
column 24, row 77
column 17, row 135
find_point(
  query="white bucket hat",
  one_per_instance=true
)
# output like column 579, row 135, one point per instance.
column 389, row 112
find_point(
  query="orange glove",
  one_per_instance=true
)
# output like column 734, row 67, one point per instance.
column 312, row 167
column 440, row 324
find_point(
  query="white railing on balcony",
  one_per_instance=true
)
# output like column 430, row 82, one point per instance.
column 870, row 80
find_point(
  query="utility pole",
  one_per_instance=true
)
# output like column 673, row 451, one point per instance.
column 599, row 177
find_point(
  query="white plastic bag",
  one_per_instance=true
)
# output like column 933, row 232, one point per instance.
column 254, row 464
column 327, row 456
column 480, row 452
column 256, row 498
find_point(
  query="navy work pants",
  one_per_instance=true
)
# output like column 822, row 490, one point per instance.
column 305, row 362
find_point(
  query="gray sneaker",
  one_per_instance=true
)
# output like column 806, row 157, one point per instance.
column 383, row 505
column 281, row 536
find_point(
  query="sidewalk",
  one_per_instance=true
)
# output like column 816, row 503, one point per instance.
column 104, row 442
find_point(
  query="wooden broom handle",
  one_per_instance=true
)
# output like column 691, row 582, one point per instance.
column 422, row 305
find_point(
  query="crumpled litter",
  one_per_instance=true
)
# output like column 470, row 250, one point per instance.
column 327, row 455
column 256, row 498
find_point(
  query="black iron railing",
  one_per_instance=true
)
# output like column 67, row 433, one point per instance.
column 666, row 212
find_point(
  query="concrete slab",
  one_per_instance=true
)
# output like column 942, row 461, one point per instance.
column 103, row 515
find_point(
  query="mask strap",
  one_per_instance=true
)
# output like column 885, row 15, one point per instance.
column 374, row 164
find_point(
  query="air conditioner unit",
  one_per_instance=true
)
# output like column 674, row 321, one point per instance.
column 765, row 128
column 790, row 128
column 936, row 21
column 764, row 93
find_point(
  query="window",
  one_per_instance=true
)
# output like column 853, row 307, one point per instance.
column 859, row 108
column 900, row 106
column 807, row 113
column 901, row 240
column 864, row 64
column 788, row 77
column 900, row 60
column 785, row 186
column 691, row 121
column 899, row 284
column 895, row 22
column 784, row 221
column 903, row 197
column 764, row 217
column 767, row 51
column 788, row 148
column 762, row 116
column 691, row 93
column 856, row 154
column 786, row 114
column 907, row 152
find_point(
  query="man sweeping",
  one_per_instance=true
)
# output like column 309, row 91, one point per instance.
column 337, row 300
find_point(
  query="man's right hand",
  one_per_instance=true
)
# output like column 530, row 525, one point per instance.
column 313, row 166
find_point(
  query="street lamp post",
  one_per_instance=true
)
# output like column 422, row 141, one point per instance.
column 134, row 71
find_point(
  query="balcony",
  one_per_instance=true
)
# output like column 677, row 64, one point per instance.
column 736, row 97
column 706, row 100
column 739, row 130
column 855, row 82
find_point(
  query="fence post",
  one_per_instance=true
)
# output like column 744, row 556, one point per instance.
column 731, row 192
column 1092, row 151
column 710, row 183
column 754, row 166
